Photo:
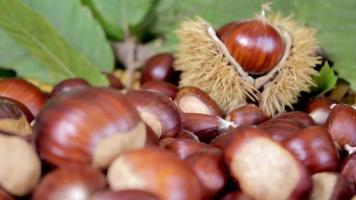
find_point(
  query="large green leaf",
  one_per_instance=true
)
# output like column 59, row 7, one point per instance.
column 116, row 14
column 39, row 38
column 334, row 20
column 78, row 27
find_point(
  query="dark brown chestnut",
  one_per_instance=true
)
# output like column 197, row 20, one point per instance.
column 5, row 196
column 187, row 135
column 318, row 103
column 194, row 100
column 348, row 168
column 162, row 87
column 158, row 111
column 281, row 128
column 245, row 115
column 20, row 166
column 74, row 182
column 154, row 170
column 129, row 194
column 69, row 85
column 235, row 196
column 314, row 147
column 255, row 44
column 114, row 82
column 262, row 167
column 23, row 91
column 297, row 116
column 88, row 126
column 342, row 125
column 158, row 67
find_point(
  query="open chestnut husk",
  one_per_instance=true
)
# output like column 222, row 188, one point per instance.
column 74, row 182
column 89, row 126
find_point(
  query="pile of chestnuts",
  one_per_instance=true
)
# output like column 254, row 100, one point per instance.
column 164, row 142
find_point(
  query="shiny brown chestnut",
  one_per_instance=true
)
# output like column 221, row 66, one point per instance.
column 162, row 87
column 74, row 182
column 88, row 126
column 330, row 186
column 280, row 128
column 297, row 116
column 255, row 44
column 5, row 196
column 24, row 92
column 314, row 147
column 158, row 67
column 206, row 127
column 154, row 170
column 114, row 82
column 235, row 196
column 158, row 111
column 245, row 115
column 211, row 171
column 341, row 124
column 20, row 166
column 69, row 85
column 262, row 167
column 194, row 100
column 318, row 103
column 124, row 195
column 13, row 118
column 348, row 168
column 185, row 147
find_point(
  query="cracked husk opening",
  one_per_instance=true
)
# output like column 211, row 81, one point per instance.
column 205, row 64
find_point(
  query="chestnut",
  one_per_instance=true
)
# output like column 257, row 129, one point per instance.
column 158, row 111
column 262, row 167
column 318, row 103
column 341, row 124
column 348, row 168
column 210, row 170
column 330, row 186
column 187, row 134
column 68, row 85
column 297, row 116
column 154, row 170
column 185, row 147
column 194, row 100
column 162, row 87
column 206, row 127
column 158, row 67
column 88, row 126
column 314, row 147
column 13, row 118
column 74, row 182
column 20, row 166
column 114, row 82
column 248, row 114
column 235, row 196
column 280, row 128
column 23, row 91
column 128, row 194
column 5, row 196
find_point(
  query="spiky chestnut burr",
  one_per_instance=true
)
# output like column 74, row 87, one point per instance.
column 227, row 69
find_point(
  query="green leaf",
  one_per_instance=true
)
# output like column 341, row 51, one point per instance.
column 116, row 14
column 79, row 28
column 325, row 81
column 33, row 32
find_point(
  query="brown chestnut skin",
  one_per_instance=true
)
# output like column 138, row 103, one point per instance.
column 69, row 85
column 297, row 116
column 185, row 147
column 155, row 170
column 348, row 168
column 151, row 137
column 318, row 103
column 194, row 100
column 187, row 135
column 206, row 127
column 262, row 167
column 210, row 170
column 75, row 182
column 330, row 186
column 158, row 111
column 23, row 109
column 5, row 196
column 226, row 29
column 342, row 125
column 162, row 87
column 314, row 147
column 245, row 115
column 280, row 128
column 158, row 67
column 255, row 45
column 23, row 91
column 82, row 126
column 114, row 82
column 236, row 196
column 124, row 195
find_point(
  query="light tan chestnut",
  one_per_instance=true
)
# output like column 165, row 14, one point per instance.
column 154, row 170
column 71, row 183
column 330, row 186
column 194, row 100
column 88, row 126
column 264, row 168
column 20, row 166
column 158, row 111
